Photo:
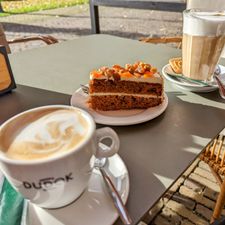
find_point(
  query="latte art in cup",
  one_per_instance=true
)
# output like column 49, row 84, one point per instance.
column 46, row 133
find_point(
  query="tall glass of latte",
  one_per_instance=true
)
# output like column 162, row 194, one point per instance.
column 203, row 41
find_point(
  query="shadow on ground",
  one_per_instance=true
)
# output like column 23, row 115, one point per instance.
column 37, row 29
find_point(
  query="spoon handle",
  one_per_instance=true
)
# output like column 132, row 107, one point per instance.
column 118, row 203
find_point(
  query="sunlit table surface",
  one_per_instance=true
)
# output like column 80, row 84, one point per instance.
column 156, row 152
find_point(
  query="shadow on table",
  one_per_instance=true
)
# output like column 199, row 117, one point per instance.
column 215, row 96
column 23, row 97
column 186, row 126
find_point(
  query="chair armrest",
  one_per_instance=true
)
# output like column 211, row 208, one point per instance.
column 47, row 39
column 157, row 40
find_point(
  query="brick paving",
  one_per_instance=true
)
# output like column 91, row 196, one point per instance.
column 191, row 199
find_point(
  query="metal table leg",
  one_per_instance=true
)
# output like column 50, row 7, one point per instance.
column 95, row 27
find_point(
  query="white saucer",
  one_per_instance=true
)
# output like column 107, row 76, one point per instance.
column 118, row 117
column 185, row 85
column 94, row 207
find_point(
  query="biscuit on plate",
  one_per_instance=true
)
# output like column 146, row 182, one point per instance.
column 176, row 65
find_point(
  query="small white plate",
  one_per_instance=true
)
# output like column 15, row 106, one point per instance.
column 166, row 70
column 118, row 117
column 93, row 207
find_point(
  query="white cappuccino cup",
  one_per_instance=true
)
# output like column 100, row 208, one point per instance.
column 47, row 153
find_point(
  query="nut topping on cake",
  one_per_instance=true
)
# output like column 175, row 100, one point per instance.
column 136, row 70
column 96, row 74
column 140, row 69
column 117, row 67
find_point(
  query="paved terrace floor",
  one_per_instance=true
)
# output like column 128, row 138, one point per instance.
column 191, row 200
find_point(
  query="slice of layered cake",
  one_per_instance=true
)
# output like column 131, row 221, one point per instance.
column 137, row 86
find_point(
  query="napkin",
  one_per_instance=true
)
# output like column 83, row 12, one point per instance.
column 11, row 203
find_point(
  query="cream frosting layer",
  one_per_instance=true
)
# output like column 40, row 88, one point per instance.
column 125, row 94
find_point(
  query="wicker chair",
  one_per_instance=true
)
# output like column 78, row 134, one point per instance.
column 214, row 154
column 47, row 39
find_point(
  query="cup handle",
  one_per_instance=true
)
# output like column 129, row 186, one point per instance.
column 104, row 151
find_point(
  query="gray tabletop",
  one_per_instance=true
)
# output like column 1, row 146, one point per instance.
column 156, row 152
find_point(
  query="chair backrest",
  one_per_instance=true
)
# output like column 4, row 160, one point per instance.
column 3, row 40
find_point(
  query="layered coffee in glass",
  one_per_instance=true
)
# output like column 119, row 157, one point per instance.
column 203, row 42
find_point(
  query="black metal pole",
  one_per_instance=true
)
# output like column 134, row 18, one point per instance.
column 1, row 9
column 95, row 27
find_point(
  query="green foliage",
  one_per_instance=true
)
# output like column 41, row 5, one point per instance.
column 25, row 6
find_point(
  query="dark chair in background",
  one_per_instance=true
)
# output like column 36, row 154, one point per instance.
column 47, row 39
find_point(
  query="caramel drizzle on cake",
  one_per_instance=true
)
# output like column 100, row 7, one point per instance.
column 137, row 85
